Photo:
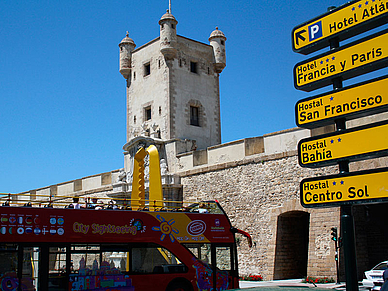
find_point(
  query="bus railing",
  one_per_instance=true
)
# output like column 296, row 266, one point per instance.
column 101, row 203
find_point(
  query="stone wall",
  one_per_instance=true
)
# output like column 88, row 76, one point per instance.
column 96, row 185
column 257, row 181
column 254, row 194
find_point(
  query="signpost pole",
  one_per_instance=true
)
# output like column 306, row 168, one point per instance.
column 347, row 221
column 349, row 248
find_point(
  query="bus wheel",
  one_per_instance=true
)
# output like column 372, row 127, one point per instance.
column 179, row 286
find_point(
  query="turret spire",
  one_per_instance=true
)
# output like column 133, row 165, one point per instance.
column 217, row 41
column 168, row 37
column 169, row 6
column 127, row 45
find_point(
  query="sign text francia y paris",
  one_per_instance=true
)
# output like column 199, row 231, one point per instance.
column 354, row 59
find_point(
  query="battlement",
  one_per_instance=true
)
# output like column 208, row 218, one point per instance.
column 270, row 146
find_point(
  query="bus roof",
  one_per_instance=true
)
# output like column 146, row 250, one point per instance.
column 39, row 224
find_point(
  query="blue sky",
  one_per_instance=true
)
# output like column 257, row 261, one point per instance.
column 62, row 113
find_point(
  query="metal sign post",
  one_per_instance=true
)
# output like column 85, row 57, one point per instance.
column 349, row 246
column 341, row 63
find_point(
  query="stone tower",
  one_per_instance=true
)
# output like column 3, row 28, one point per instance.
column 173, row 97
column 173, row 86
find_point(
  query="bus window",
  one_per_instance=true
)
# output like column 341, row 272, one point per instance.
column 57, row 259
column 117, row 260
column 224, row 258
column 116, row 255
column 8, row 265
column 155, row 259
column 214, row 265
column 94, row 266
column 85, row 258
column 223, row 255
column 30, row 271
column 57, row 268
column 201, row 251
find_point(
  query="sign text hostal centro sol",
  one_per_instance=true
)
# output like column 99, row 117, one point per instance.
column 351, row 188
column 356, row 58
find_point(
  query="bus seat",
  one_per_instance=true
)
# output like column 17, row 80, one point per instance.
column 158, row 270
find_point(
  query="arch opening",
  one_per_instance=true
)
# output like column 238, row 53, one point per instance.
column 292, row 239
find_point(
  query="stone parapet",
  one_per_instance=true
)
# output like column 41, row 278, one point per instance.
column 85, row 186
column 275, row 145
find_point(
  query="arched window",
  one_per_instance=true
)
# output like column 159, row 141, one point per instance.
column 194, row 115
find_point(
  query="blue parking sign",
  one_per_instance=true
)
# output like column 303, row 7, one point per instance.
column 315, row 30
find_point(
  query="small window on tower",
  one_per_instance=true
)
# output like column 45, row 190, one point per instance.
column 194, row 115
column 147, row 113
column 172, row 26
column 193, row 67
column 222, row 42
column 147, row 69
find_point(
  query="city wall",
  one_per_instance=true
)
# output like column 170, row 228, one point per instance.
column 256, row 180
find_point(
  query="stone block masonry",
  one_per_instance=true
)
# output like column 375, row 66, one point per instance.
column 254, row 194
column 257, row 182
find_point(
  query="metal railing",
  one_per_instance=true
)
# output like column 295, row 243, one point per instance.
column 101, row 203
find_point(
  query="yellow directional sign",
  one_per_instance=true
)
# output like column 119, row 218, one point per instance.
column 343, row 22
column 356, row 101
column 354, row 144
column 357, row 58
column 358, row 187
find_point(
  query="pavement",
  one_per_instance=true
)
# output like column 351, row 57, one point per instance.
column 289, row 283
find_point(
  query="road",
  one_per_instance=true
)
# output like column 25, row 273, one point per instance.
column 293, row 284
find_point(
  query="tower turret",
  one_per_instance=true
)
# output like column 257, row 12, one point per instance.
column 168, row 38
column 127, row 45
column 217, row 41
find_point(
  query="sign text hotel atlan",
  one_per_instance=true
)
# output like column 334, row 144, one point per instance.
column 356, row 58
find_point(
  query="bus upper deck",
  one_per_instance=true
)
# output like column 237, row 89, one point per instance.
column 89, row 222
column 51, row 243
column 51, row 246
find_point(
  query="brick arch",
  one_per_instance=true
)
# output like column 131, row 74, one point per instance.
column 290, row 229
column 292, row 240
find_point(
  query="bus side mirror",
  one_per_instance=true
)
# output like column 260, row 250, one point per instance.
column 244, row 233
